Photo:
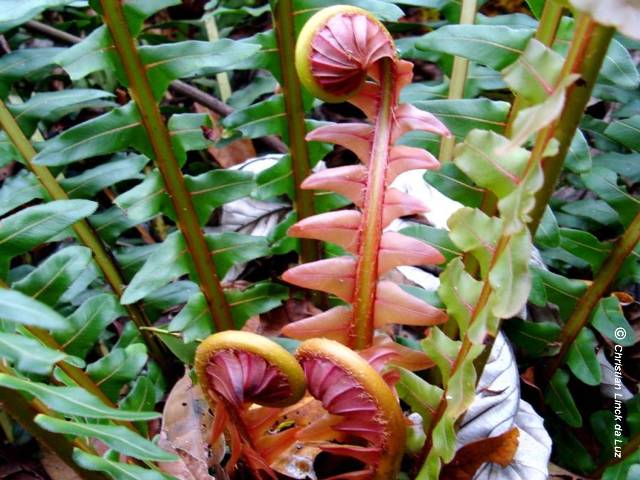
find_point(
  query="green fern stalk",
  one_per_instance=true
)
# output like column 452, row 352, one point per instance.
column 459, row 75
column 585, row 305
column 292, row 92
column 586, row 54
column 167, row 163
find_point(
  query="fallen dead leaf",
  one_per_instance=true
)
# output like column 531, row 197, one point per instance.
column 469, row 458
column 297, row 461
column 624, row 298
column 186, row 430
column 56, row 468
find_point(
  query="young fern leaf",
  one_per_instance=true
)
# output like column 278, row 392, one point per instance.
column 345, row 54
column 360, row 406
column 358, row 414
column 236, row 370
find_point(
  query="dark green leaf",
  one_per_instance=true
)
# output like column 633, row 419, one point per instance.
column 626, row 132
column 117, row 470
column 267, row 117
column 536, row 7
column 73, row 401
column 141, row 398
column 627, row 166
column 424, row 91
column 535, row 338
column 604, row 182
column 19, row 308
column 258, row 298
column 582, row 360
column 559, row 398
column 118, row 368
column 493, row 45
column 584, row 246
column 33, row 226
column 548, row 234
column 259, row 86
column 18, row 190
column 578, row 158
column 13, row 14
column 145, row 200
column 170, row 61
column 194, row 320
column 561, row 291
column 49, row 281
column 87, row 323
column 108, row 133
column 25, row 64
column 595, row 210
column 462, row 116
column 170, row 261
column 230, row 248
column 91, row 181
column 51, row 106
column 610, row 321
column 455, row 184
column 110, row 223
column 29, row 355
column 185, row 352
column 571, row 452
column 119, row 438
column 213, row 189
column 167, row 262
column 619, row 68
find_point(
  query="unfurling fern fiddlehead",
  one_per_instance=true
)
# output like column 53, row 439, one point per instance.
column 345, row 54
column 240, row 370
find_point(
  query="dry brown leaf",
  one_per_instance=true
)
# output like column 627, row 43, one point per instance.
column 624, row 298
column 469, row 458
column 297, row 462
column 231, row 154
column 186, row 431
column 56, row 468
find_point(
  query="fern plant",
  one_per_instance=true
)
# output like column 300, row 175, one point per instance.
column 117, row 266
column 336, row 53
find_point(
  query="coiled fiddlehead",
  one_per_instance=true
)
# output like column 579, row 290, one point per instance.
column 344, row 53
column 237, row 370
column 360, row 405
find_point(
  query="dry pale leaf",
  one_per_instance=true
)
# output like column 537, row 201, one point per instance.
column 186, row 430
column 622, row 14
column 498, row 408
